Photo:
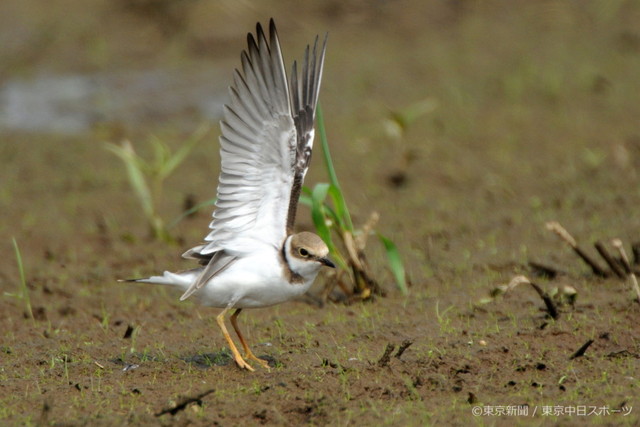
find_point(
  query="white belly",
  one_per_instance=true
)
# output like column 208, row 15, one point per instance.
column 255, row 281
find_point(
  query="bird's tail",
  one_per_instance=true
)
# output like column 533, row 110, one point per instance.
column 182, row 279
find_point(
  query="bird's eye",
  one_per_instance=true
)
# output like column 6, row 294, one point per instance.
column 303, row 252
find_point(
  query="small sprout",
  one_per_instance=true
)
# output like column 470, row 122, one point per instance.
column 146, row 177
column 24, row 289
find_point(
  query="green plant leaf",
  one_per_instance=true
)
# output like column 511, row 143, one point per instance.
column 305, row 200
column 135, row 174
column 319, row 212
column 306, row 190
column 318, row 196
column 395, row 263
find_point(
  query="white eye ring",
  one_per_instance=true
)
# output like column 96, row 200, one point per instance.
column 303, row 252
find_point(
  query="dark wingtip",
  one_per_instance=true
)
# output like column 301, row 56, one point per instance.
column 251, row 40
column 273, row 34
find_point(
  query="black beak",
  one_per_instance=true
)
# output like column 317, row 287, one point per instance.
column 327, row 262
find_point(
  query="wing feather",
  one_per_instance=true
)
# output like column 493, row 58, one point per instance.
column 265, row 146
column 304, row 99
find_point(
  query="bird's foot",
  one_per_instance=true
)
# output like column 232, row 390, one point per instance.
column 261, row 362
column 242, row 364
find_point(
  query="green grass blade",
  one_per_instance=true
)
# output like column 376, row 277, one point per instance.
column 135, row 175
column 333, row 178
column 24, row 290
column 395, row 263
column 141, row 188
column 161, row 154
column 337, row 195
column 343, row 218
column 174, row 160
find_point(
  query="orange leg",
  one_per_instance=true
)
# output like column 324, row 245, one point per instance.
column 236, row 354
column 248, row 354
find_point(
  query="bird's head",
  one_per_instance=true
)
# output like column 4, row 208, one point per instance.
column 306, row 253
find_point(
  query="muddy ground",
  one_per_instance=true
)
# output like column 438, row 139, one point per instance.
column 533, row 116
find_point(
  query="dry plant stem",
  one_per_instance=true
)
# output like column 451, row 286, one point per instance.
column 544, row 270
column 332, row 281
column 617, row 243
column 518, row 280
column 551, row 307
column 350, row 245
column 548, row 302
column 386, row 357
column 597, row 270
column 342, row 284
column 635, row 249
column 581, row 350
column 361, row 239
column 184, row 403
column 612, row 263
column 564, row 235
column 365, row 284
column 405, row 345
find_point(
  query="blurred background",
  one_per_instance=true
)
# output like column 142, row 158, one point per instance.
column 466, row 124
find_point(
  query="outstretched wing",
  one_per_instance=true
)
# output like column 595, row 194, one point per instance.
column 266, row 142
column 304, row 99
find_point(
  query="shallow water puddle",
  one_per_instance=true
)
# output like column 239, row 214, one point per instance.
column 76, row 103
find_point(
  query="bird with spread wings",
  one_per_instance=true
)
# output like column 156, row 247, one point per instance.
column 251, row 256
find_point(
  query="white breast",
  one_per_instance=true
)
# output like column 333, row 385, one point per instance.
column 251, row 282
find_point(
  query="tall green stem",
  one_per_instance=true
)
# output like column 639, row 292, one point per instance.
column 333, row 178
